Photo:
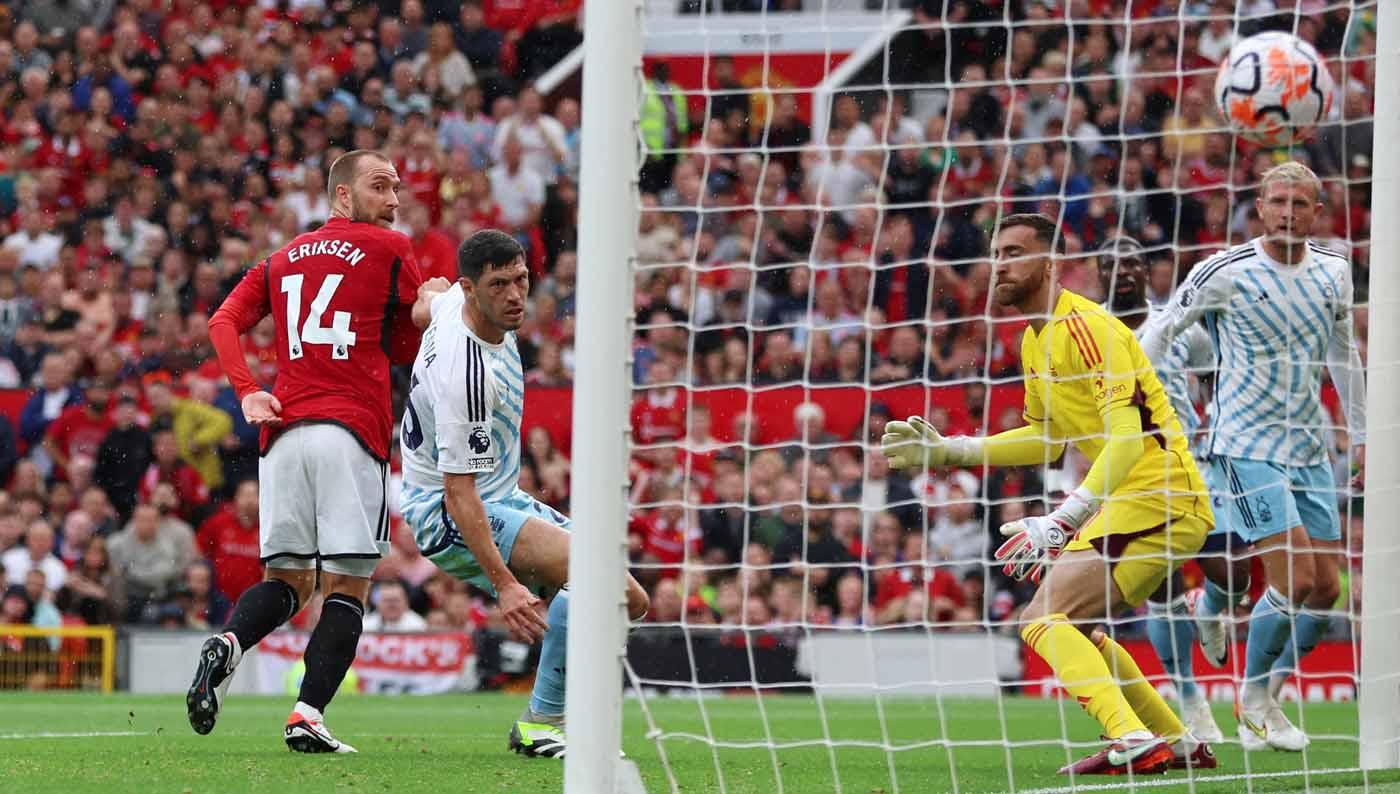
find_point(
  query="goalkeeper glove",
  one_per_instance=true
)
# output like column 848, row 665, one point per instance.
column 1034, row 541
column 914, row 444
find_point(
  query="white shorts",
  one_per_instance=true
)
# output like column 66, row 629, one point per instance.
column 322, row 498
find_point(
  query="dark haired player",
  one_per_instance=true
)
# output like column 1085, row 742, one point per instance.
column 461, row 467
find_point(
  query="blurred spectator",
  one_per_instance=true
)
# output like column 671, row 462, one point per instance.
column 471, row 129
column 883, row 490
column 229, row 541
column 308, row 203
column 442, row 65
column 405, row 562
column 957, row 535
column 434, row 250
column 16, row 310
column 658, row 414
column 202, row 603
column 851, row 608
column 391, row 612
column 519, row 192
column 54, row 395
column 16, row 609
column 666, row 602
column 184, row 491
column 124, row 456
column 665, row 537
column 77, row 529
column 723, row 527
column 37, row 554
column 665, row 121
column 37, row 246
column 125, row 233
column 814, row 548
column 549, row 370
column 480, row 44
column 148, row 557
column 80, row 429
column 96, row 591
column 46, row 614
column 540, row 136
column 196, row 427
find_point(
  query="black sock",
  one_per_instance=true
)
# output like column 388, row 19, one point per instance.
column 262, row 608
column 331, row 649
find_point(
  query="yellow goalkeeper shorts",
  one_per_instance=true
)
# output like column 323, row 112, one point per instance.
column 1141, row 550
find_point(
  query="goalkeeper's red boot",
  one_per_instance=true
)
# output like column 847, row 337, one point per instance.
column 1202, row 757
column 1146, row 756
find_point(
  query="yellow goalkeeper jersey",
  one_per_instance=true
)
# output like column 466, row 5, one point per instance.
column 1083, row 363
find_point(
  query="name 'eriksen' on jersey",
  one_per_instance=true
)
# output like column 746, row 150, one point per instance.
column 340, row 248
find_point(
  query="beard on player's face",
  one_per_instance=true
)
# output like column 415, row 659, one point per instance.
column 365, row 212
column 1126, row 288
column 1013, row 290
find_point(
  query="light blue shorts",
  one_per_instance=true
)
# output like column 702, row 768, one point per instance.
column 1258, row 499
column 440, row 541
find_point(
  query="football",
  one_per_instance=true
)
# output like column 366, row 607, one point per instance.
column 1273, row 89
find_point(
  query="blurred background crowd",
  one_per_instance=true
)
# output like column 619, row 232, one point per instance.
column 152, row 150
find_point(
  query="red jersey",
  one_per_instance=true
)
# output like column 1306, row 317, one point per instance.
column 659, row 415
column 437, row 255
column 665, row 540
column 78, row 433
column 341, row 298
column 233, row 549
column 189, row 486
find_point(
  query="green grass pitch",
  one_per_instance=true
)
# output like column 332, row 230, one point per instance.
column 121, row 743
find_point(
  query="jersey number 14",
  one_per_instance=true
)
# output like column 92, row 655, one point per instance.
column 338, row 334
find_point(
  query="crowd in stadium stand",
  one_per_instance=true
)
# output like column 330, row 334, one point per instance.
column 150, row 151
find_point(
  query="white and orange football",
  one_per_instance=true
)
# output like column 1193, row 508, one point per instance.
column 1274, row 89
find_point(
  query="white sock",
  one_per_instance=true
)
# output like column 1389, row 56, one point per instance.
column 1135, row 735
column 1254, row 696
column 308, row 713
column 237, row 650
column 1185, row 745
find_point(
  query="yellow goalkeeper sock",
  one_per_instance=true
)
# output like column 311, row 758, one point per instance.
column 1141, row 695
column 1083, row 672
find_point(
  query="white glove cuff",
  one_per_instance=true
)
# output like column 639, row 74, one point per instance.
column 1078, row 508
column 964, row 450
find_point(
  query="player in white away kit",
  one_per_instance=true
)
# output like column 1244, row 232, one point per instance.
column 1123, row 277
column 1277, row 308
column 461, row 467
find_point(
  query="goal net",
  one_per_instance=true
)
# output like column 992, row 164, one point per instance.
column 819, row 185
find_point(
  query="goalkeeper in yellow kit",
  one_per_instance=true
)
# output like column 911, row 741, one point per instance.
column 1142, row 509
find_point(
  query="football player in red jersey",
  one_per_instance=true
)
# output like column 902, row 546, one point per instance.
column 347, row 301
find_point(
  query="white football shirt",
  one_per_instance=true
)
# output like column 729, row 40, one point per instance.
column 1274, row 327
column 464, row 406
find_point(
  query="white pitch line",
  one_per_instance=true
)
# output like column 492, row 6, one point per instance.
column 1144, row 781
column 74, row 735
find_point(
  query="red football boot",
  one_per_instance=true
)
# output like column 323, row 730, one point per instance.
column 1142, row 756
column 1200, row 758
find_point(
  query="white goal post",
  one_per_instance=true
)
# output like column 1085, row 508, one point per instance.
column 607, row 223
column 1379, row 690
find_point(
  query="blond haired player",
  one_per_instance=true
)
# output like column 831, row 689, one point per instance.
column 1142, row 509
